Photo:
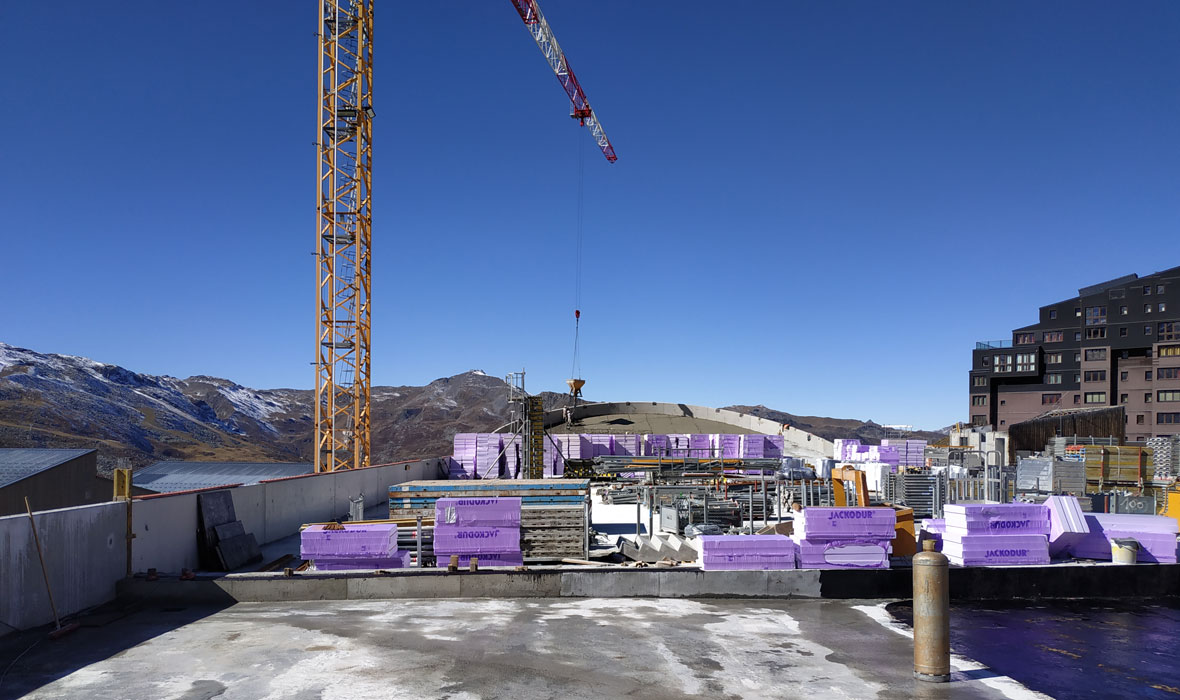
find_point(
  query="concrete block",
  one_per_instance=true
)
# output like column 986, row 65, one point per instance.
column 642, row 583
column 407, row 586
column 263, row 590
column 797, row 583
column 509, row 585
column 693, row 583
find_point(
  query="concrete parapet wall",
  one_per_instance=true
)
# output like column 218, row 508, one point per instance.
column 85, row 553
column 796, row 440
column 979, row 583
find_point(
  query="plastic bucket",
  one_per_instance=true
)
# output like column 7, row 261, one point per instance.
column 1124, row 550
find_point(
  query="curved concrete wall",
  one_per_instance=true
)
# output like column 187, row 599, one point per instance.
column 795, row 440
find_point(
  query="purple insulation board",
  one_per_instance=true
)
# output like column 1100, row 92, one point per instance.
column 1067, row 524
column 700, row 446
column 753, row 446
column 774, row 446
column 678, row 444
column 399, row 560
column 477, row 512
column 487, row 451
column 737, row 562
column 844, row 554
column 490, row 559
column 655, row 446
column 376, row 540
column 452, row 539
column 762, row 545
column 600, row 445
column 816, row 523
column 1156, row 535
column 627, row 445
column 997, row 518
column 730, row 446
column 996, row 550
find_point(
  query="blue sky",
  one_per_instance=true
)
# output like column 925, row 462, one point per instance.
column 818, row 207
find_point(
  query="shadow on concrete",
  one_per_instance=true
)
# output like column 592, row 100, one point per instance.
column 30, row 660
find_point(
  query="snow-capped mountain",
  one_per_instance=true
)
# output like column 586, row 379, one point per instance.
column 67, row 401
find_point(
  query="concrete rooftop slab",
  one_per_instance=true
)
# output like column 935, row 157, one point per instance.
column 520, row 649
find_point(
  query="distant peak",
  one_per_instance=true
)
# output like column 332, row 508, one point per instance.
column 478, row 372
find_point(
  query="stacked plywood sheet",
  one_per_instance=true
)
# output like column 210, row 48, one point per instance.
column 1109, row 466
column 746, row 552
column 360, row 546
column 553, row 512
column 996, row 534
column 844, row 538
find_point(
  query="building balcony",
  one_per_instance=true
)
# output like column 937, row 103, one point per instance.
column 992, row 344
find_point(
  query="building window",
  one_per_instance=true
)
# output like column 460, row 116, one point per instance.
column 1122, row 311
column 1167, row 373
column 1147, row 397
column 1054, row 336
column 1147, row 290
column 1026, row 362
column 978, row 400
column 1095, row 397
column 1096, row 375
column 979, row 381
column 1095, row 333
column 1123, row 376
column 1095, row 354
column 1077, row 377
column 1123, row 332
column 1147, row 376
column 1077, row 399
column 1159, row 289
column 1026, row 338
column 1123, row 398
column 1053, row 358
column 1169, row 330
column 1047, row 399
column 1077, row 311
column 1053, row 378
column 1167, row 418
column 986, row 361
column 1139, row 419
column 1003, row 402
column 1168, row 396
column 1077, row 357
column 1095, row 315
column 1052, row 314
column 1170, row 351
column 1002, row 363
column 1162, row 307
column 1147, row 308
column 1003, row 422
column 978, row 420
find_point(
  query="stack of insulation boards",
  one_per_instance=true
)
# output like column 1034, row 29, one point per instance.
column 746, row 552
column 359, row 546
column 553, row 513
column 486, row 528
column 844, row 538
column 1156, row 535
column 996, row 534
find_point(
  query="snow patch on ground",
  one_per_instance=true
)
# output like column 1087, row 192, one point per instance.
column 249, row 403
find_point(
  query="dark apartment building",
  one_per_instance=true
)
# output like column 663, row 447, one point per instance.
column 1114, row 344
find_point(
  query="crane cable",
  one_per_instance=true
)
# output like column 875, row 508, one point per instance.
column 576, row 368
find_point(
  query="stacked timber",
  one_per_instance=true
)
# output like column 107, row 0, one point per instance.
column 553, row 512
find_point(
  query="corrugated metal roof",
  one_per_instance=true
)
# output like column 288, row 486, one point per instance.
column 166, row 477
column 18, row 463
